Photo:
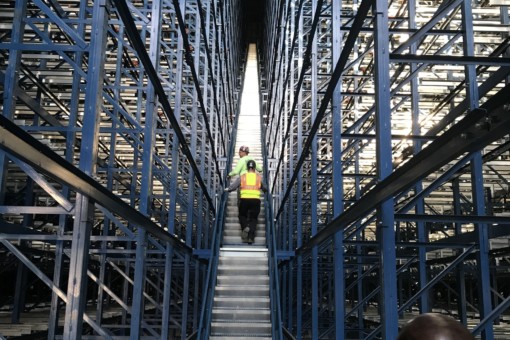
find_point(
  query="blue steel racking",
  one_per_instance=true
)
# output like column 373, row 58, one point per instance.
column 370, row 106
column 386, row 126
column 116, row 116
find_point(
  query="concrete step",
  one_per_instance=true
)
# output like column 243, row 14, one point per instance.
column 237, row 225
column 237, row 280
column 241, row 329
column 245, row 302
column 242, row 291
column 242, row 269
column 235, row 219
column 241, row 314
column 243, row 261
column 237, row 232
column 236, row 240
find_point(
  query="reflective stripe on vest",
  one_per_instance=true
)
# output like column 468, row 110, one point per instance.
column 250, row 185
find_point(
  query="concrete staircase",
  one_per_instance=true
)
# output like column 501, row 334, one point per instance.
column 241, row 301
column 241, row 308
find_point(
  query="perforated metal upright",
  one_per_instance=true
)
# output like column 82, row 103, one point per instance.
column 116, row 117
column 388, row 123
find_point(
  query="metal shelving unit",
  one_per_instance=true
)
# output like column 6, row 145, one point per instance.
column 367, row 104
column 130, row 104
column 386, row 126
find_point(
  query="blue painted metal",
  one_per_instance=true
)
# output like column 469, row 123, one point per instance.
column 50, row 284
column 299, row 206
column 44, row 90
column 461, row 279
column 432, row 282
column 10, row 83
column 446, row 141
column 277, row 304
column 338, row 205
column 314, row 203
column 82, row 226
column 472, row 96
column 491, row 316
column 190, row 208
column 412, row 50
column 385, row 219
column 126, row 128
column 204, row 326
column 76, row 289
column 484, row 284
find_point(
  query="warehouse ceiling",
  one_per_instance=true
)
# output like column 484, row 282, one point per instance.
column 253, row 14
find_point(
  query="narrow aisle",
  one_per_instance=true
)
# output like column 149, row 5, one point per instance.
column 248, row 134
column 241, row 307
column 248, row 129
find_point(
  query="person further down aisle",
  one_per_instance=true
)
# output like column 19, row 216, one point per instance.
column 250, row 184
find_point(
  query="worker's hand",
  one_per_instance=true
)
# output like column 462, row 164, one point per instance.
column 225, row 190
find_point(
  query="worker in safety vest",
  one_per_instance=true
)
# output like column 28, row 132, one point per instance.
column 250, row 185
column 434, row 326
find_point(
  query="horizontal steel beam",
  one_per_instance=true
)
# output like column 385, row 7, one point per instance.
column 453, row 218
column 22, row 145
column 450, row 60
column 477, row 129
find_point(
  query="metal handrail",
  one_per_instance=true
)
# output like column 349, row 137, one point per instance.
column 210, row 282
column 274, row 286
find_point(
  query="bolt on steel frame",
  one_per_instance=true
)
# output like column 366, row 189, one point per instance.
column 116, row 117
column 387, row 129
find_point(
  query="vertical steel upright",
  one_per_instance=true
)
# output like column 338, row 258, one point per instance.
column 356, row 93
column 129, row 104
column 84, row 217
column 337, row 190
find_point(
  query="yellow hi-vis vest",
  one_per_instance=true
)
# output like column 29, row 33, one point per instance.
column 250, row 185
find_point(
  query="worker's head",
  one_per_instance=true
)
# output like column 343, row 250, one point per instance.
column 433, row 326
column 244, row 150
column 251, row 165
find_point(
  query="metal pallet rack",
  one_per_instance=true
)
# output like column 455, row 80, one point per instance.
column 116, row 117
column 387, row 129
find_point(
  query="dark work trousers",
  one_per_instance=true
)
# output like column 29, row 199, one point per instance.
column 249, row 210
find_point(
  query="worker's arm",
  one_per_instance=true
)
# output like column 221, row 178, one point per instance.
column 234, row 185
column 238, row 168
column 263, row 187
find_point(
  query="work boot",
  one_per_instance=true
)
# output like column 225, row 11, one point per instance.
column 250, row 241
column 244, row 234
